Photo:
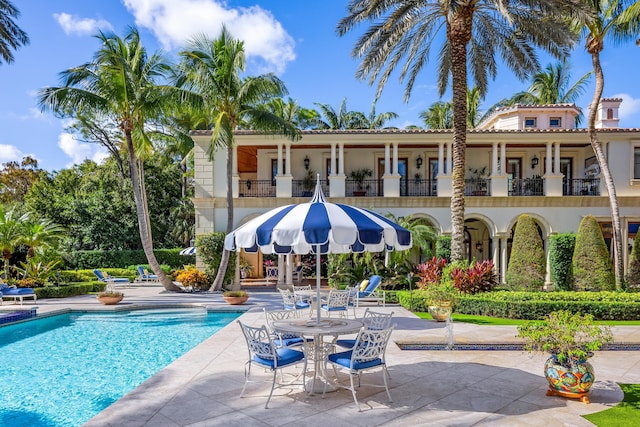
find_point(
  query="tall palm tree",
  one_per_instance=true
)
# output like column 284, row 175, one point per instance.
column 439, row 115
column 11, row 36
column 340, row 118
column 121, row 82
column 291, row 111
column 474, row 30
column 11, row 235
column 377, row 121
column 212, row 68
column 618, row 21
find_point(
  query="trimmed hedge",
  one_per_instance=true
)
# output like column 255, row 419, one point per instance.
column 560, row 257
column 64, row 291
column 79, row 260
column 592, row 266
column 536, row 305
column 527, row 264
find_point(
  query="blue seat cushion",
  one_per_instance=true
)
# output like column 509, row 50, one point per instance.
column 299, row 306
column 344, row 359
column 346, row 343
column 17, row 291
column 286, row 356
column 119, row 279
column 374, row 281
column 327, row 308
column 288, row 341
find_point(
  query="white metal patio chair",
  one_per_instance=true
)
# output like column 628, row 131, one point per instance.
column 373, row 320
column 282, row 339
column 337, row 302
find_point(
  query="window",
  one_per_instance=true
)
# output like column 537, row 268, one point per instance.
column 636, row 163
column 530, row 122
column 555, row 122
column 609, row 113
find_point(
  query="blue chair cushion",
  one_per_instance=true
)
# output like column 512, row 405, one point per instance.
column 346, row 343
column 288, row 341
column 327, row 308
column 299, row 306
column 374, row 281
column 18, row 291
column 286, row 356
column 344, row 359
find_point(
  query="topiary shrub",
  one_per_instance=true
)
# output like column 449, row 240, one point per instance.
column 561, row 248
column 210, row 249
column 592, row 266
column 443, row 247
column 527, row 265
column 633, row 275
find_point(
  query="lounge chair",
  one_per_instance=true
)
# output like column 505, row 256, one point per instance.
column 371, row 292
column 297, row 273
column 103, row 277
column 144, row 276
column 7, row 291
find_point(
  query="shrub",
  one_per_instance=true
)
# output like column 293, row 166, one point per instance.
column 479, row 277
column 210, row 248
column 592, row 267
column 633, row 275
column 443, row 247
column 527, row 265
column 194, row 278
column 561, row 248
column 430, row 271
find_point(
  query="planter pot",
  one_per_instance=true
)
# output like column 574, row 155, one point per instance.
column 236, row 300
column 569, row 381
column 441, row 311
column 359, row 193
column 110, row 300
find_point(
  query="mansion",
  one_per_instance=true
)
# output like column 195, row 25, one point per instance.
column 523, row 159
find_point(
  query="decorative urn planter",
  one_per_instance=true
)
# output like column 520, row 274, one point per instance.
column 441, row 310
column 110, row 299
column 235, row 297
column 573, row 380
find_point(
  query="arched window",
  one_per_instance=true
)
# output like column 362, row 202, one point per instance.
column 609, row 113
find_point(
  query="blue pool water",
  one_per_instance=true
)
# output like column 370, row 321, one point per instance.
column 63, row 370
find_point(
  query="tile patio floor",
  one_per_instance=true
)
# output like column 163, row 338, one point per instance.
column 429, row 388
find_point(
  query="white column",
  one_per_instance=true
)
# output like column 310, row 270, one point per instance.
column 503, row 264
column 495, row 244
column 387, row 159
column 287, row 159
column 341, row 159
column 556, row 160
column 548, row 162
column 440, row 159
column 494, row 159
column 395, row 158
column 282, row 266
column 503, row 158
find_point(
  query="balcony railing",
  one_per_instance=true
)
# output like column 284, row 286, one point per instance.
column 418, row 187
column 300, row 188
column 368, row 188
column 257, row 188
column 477, row 187
column 581, row 187
column 526, row 187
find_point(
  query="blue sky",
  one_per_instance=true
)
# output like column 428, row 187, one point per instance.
column 293, row 38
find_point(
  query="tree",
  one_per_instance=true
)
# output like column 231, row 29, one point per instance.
column 527, row 264
column 341, row 118
column 212, row 68
column 440, row 114
column 618, row 21
column 39, row 235
column 377, row 121
column 291, row 111
column 121, row 82
column 16, row 179
column 405, row 30
column 592, row 269
column 11, row 236
column 11, row 36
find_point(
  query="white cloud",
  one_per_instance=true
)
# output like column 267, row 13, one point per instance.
column 629, row 107
column 267, row 45
column 73, row 24
column 79, row 151
column 10, row 153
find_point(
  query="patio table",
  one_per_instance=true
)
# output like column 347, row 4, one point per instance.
column 326, row 327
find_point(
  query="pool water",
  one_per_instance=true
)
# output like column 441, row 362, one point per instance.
column 63, row 370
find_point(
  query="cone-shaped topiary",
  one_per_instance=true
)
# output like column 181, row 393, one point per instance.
column 527, row 265
column 561, row 248
column 633, row 276
column 592, row 267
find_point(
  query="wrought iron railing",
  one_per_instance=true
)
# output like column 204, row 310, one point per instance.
column 581, row 187
column 526, row 187
column 477, row 187
column 257, row 188
column 367, row 187
column 418, row 187
column 301, row 188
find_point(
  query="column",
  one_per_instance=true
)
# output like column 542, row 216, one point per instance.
column 449, row 157
column 440, row 159
column 556, row 159
column 503, row 158
column 395, row 158
column 387, row 159
column 549, row 165
column 494, row 159
column 504, row 263
column 341, row 159
column 332, row 161
column 287, row 159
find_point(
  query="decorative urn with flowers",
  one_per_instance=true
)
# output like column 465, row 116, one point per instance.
column 437, row 287
column 110, row 296
column 235, row 297
column 571, row 339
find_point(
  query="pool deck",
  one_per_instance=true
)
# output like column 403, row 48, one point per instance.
column 429, row 387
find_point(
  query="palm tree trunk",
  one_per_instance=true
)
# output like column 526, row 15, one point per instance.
column 224, row 260
column 618, row 259
column 459, row 34
column 143, row 217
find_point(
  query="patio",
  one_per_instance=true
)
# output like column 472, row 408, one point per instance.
column 435, row 388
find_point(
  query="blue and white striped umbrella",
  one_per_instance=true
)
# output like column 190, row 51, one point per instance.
column 191, row 250
column 305, row 227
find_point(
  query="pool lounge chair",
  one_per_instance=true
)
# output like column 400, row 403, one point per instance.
column 103, row 277
column 7, row 291
column 144, row 276
column 371, row 292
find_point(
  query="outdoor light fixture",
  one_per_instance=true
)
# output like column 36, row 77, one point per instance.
column 248, row 185
column 418, row 162
column 306, row 162
column 479, row 247
column 534, row 162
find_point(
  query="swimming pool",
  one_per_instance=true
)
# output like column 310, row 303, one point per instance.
column 63, row 370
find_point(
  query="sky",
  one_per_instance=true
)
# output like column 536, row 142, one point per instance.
column 295, row 39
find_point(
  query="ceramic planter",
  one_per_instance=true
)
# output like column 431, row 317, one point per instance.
column 569, row 381
column 110, row 300
column 441, row 311
column 236, row 300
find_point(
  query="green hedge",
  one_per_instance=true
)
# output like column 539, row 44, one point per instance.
column 536, row 305
column 122, row 259
column 64, row 291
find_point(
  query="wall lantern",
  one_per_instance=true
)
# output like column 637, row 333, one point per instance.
column 479, row 247
column 306, row 162
column 418, row 162
column 534, row 162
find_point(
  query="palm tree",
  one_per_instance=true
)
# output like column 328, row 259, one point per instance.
column 121, row 82
column 377, row 121
column 213, row 68
column 340, row 119
column 404, row 30
column 619, row 21
column 439, row 115
column 11, row 36
column 11, row 235
column 40, row 234
column 291, row 111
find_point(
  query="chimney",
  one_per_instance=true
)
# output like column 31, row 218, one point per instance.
column 607, row 114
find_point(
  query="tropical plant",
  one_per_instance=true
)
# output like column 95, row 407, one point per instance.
column 430, row 272
column 444, row 290
column 40, row 235
column 476, row 278
column 11, row 36
column 193, row 278
column 212, row 69
column 403, row 30
column 11, row 236
column 439, row 115
column 527, row 264
column 592, row 269
column 618, row 21
column 341, row 118
column 122, row 83
column 359, row 175
column 377, row 121
column 571, row 337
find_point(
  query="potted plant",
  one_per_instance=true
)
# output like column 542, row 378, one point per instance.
column 110, row 296
column 245, row 268
column 193, row 279
column 308, row 182
column 358, row 176
column 436, row 283
column 235, row 297
column 571, row 339
column 479, row 180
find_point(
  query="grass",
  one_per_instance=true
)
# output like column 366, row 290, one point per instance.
column 626, row 413
column 486, row 320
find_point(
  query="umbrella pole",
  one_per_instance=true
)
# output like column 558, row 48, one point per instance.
column 318, row 284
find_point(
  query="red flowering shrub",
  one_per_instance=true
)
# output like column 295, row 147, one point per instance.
column 430, row 271
column 479, row 277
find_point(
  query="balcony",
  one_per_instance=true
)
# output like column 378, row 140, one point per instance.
column 526, row 186
column 477, row 187
column 257, row 188
column 581, row 187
